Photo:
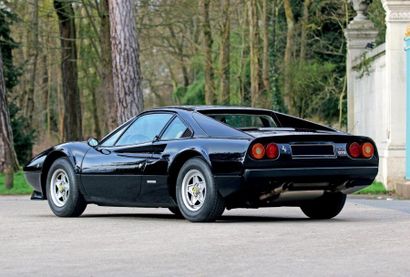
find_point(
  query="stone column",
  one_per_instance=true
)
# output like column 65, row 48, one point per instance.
column 397, row 20
column 359, row 34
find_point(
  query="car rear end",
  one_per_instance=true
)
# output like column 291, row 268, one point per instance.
column 309, row 163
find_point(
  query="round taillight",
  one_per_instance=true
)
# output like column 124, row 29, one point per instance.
column 367, row 150
column 272, row 151
column 355, row 150
column 258, row 151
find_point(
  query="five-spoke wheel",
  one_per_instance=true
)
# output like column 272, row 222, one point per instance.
column 197, row 196
column 63, row 192
column 59, row 187
column 193, row 190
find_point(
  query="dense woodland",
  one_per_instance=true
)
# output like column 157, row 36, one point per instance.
column 77, row 68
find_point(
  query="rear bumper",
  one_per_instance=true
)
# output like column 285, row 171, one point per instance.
column 345, row 179
column 313, row 173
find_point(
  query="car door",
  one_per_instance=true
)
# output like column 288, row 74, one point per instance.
column 154, row 183
column 112, row 172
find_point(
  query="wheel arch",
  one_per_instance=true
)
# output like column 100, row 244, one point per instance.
column 51, row 158
column 178, row 162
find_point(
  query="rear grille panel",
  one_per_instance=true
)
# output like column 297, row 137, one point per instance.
column 302, row 151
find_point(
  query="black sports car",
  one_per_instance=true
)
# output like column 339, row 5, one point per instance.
column 197, row 161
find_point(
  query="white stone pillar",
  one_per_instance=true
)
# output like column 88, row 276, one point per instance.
column 359, row 34
column 397, row 20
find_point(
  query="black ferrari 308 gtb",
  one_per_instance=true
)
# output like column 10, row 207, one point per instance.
column 197, row 161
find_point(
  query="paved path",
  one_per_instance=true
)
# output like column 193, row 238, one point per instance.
column 369, row 238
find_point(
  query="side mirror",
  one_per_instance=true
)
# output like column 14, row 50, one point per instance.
column 93, row 142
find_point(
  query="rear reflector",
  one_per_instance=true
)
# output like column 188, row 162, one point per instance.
column 355, row 150
column 258, row 151
column 367, row 150
column 272, row 151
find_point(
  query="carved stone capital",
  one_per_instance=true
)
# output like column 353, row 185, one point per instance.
column 397, row 11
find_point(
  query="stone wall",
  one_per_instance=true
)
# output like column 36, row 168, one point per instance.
column 369, row 95
column 376, row 89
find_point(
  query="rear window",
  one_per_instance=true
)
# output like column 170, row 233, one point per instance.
column 245, row 121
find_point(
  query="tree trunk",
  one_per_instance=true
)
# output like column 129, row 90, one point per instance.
column 290, row 20
column 303, row 36
column 106, row 68
column 33, row 58
column 45, row 87
column 224, row 61
column 265, row 56
column 72, row 128
column 94, row 111
column 179, row 52
column 125, row 59
column 254, row 53
column 244, row 91
column 207, row 44
column 10, row 163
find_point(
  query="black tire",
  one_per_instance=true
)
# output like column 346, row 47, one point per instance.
column 176, row 212
column 326, row 207
column 213, row 204
column 75, row 204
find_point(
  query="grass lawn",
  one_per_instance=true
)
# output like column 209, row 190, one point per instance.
column 375, row 188
column 20, row 185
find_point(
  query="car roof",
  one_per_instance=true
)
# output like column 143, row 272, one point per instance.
column 204, row 108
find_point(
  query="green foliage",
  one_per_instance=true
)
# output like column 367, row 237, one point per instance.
column 193, row 94
column 7, row 44
column 375, row 188
column 23, row 134
column 377, row 15
column 20, row 185
column 315, row 89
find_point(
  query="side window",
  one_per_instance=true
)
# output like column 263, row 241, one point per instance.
column 144, row 129
column 113, row 138
column 177, row 129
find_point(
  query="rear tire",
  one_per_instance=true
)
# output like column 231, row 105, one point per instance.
column 326, row 207
column 197, row 196
column 63, row 192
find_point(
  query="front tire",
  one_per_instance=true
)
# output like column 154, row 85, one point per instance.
column 326, row 207
column 63, row 192
column 197, row 196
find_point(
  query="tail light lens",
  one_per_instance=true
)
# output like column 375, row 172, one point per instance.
column 258, row 151
column 355, row 150
column 367, row 150
column 272, row 151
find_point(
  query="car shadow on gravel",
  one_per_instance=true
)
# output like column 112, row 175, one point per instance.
column 223, row 219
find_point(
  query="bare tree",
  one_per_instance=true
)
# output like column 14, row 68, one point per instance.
column 107, row 75
column 303, row 36
column 125, row 59
column 290, row 20
column 224, row 52
column 254, row 53
column 72, row 125
column 33, row 58
column 207, row 44
column 265, row 57
column 9, row 161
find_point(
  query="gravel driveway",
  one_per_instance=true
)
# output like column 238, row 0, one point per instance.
column 369, row 237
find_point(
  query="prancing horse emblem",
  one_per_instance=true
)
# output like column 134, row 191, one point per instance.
column 284, row 149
